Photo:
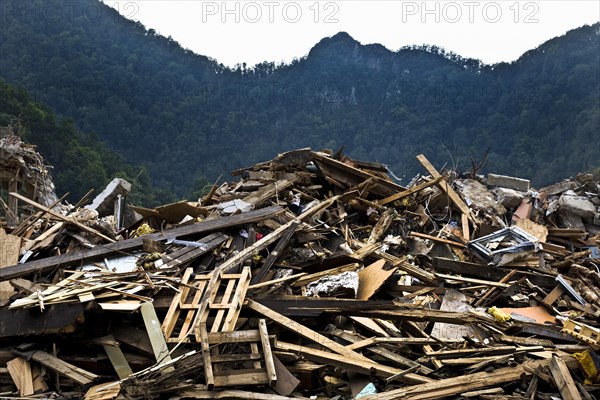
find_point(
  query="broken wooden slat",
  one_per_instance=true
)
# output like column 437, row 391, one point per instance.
column 62, row 217
column 116, row 357
column 20, row 372
column 371, row 278
column 159, row 345
column 273, row 255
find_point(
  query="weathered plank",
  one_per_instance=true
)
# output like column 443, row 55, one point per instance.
column 121, row 246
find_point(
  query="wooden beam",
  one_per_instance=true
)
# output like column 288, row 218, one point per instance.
column 563, row 379
column 49, row 263
column 59, row 318
column 74, row 373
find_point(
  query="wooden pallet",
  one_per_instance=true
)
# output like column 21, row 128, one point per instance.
column 583, row 332
column 251, row 364
column 218, row 298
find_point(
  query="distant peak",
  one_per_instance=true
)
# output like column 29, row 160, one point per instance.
column 341, row 37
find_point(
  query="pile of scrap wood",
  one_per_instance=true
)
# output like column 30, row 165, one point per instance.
column 310, row 276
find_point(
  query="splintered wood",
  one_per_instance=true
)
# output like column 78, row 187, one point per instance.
column 312, row 275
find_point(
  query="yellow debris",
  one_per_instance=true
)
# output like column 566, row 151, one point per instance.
column 589, row 367
column 500, row 315
column 142, row 230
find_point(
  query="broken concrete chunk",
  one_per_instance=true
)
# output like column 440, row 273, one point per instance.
column 342, row 284
column 508, row 182
column 559, row 188
column 477, row 195
column 578, row 205
column 509, row 198
column 104, row 203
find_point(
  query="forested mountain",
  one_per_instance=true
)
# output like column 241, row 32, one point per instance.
column 82, row 161
column 184, row 116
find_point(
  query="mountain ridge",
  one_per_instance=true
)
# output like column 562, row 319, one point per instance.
column 185, row 116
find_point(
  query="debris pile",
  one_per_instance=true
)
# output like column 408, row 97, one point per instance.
column 309, row 276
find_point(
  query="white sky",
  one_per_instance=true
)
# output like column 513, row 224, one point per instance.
column 278, row 30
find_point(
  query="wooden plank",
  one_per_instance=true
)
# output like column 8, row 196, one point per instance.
column 554, row 295
column 235, row 305
column 351, row 176
column 201, row 393
column 303, row 331
column 455, row 385
column 437, row 239
column 365, row 367
column 272, row 257
column 20, row 372
column 276, row 281
column 174, row 309
column 470, row 269
column 267, row 192
column 466, row 231
column 268, row 355
column 205, row 348
column 455, row 197
column 10, row 246
column 125, row 246
column 116, row 357
column 382, row 225
column 248, row 377
column 69, row 370
column 563, row 379
column 472, row 280
column 395, row 357
column 157, row 339
column 212, row 242
column 98, row 392
column 408, row 192
column 306, row 279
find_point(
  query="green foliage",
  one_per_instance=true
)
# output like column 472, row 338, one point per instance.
column 81, row 162
column 182, row 115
